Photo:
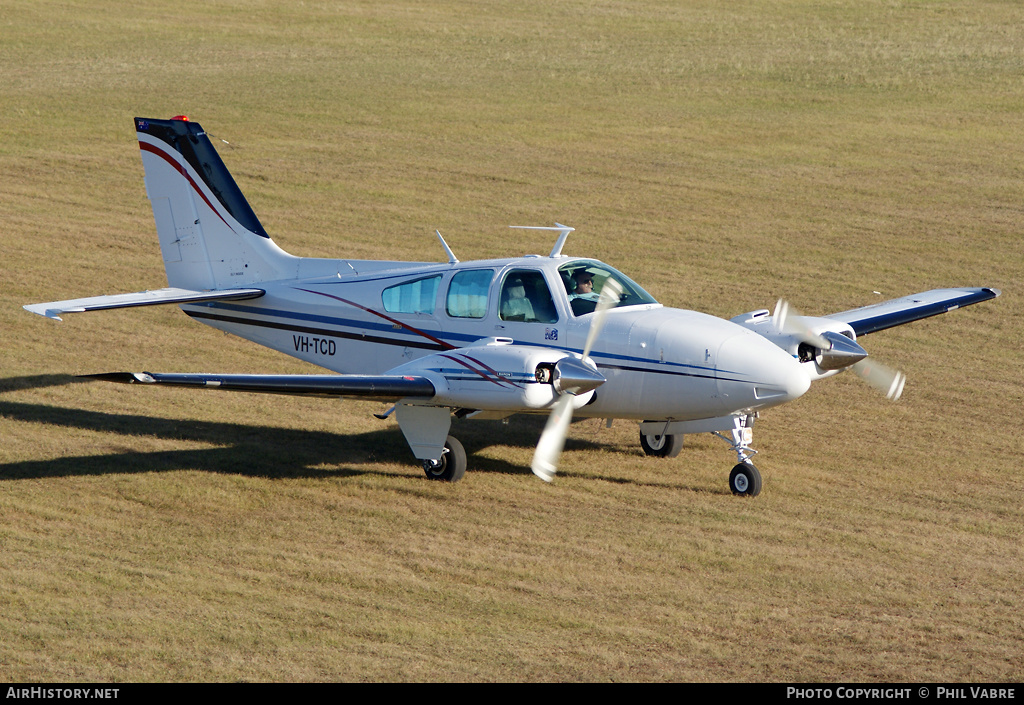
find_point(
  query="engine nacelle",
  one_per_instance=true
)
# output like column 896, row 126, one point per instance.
column 495, row 375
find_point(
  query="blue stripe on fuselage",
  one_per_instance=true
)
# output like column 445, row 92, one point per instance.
column 457, row 339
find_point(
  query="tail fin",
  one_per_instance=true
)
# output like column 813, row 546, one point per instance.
column 209, row 236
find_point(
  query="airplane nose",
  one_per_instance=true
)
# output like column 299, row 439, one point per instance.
column 757, row 373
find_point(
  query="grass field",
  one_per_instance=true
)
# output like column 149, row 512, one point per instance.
column 722, row 154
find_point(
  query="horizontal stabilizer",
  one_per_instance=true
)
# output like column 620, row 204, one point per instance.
column 54, row 309
column 888, row 314
column 380, row 387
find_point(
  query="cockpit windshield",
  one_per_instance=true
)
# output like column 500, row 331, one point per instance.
column 584, row 279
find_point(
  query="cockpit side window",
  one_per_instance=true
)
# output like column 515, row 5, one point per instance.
column 467, row 293
column 584, row 279
column 525, row 297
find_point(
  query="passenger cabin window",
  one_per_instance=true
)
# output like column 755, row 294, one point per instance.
column 525, row 297
column 467, row 293
column 418, row 296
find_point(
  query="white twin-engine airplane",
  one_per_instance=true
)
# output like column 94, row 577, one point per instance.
column 567, row 336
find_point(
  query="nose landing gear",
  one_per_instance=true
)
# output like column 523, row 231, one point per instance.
column 745, row 479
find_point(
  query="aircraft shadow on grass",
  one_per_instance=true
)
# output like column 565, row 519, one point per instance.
column 243, row 448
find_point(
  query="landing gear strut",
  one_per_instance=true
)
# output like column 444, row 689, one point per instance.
column 745, row 479
column 452, row 464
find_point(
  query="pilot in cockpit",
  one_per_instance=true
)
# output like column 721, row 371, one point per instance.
column 584, row 282
column 582, row 299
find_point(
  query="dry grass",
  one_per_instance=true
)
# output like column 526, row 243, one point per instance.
column 724, row 155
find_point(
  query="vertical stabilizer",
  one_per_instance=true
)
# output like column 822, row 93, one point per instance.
column 210, row 238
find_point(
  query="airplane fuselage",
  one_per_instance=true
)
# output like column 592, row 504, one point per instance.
column 660, row 363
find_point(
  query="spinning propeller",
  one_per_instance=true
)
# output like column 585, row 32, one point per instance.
column 833, row 351
column 572, row 377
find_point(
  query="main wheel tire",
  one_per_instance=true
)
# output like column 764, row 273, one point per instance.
column 666, row 446
column 452, row 465
column 745, row 480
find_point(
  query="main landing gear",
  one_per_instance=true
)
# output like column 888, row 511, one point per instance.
column 452, row 464
column 661, row 446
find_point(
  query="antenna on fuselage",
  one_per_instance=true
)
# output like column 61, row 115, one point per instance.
column 563, row 229
column 452, row 259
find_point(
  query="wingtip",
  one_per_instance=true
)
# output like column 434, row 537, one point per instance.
column 40, row 310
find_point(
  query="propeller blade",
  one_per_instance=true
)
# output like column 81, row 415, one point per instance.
column 610, row 293
column 552, row 440
column 788, row 320
column 885, row 379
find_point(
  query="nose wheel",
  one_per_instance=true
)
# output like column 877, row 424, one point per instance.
column 745, row 479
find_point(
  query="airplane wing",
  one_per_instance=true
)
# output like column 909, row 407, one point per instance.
column 493, row 375
column 53, row 309
column 375, row 387
column 896, row 312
